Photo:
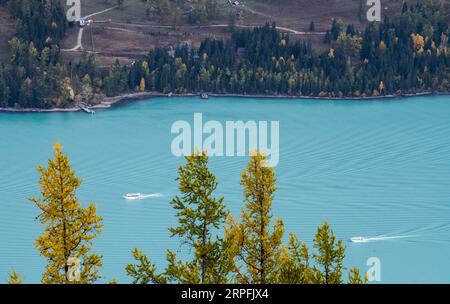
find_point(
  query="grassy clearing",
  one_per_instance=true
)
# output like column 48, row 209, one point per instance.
column 129, row 30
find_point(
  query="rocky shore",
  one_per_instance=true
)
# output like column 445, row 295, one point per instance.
column 109, row 102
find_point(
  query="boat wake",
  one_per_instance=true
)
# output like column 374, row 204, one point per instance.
column 361, row 239
column 150, row 195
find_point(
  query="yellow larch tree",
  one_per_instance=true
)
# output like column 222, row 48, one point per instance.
column 69, row 228
column 381, row 87
column 142, row 85
column 258, row 243
column 14, row 278
column 331, row 53
column 419, row 42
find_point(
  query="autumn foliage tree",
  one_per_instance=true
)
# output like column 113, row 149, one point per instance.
column 323, row 265
column 14, row 278
column 258, row 243
column 199, row 215
column 329, row 257
column 69, row 228
column 251, row 249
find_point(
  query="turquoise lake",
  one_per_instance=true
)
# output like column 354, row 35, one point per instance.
column 378, row 169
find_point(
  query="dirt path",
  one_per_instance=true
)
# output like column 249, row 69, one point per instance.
column 252, row 11
column 101, row 12
column 143, row 25
column 280, row 28
column 79, row 45
column 243, row 7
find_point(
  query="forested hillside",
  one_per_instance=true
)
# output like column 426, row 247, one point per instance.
column 405, row 54
column 33, row 77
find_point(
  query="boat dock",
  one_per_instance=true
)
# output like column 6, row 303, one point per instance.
column 87, row 110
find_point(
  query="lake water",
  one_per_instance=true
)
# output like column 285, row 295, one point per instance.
column 371, row 168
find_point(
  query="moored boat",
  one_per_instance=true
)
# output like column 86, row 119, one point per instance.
column 88, row 110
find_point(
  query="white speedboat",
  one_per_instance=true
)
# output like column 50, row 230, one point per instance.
column 133, row 196
column 359, row 239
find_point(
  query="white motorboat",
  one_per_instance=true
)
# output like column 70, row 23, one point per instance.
column 359, row 239
column 133, row 196
column 139, row 196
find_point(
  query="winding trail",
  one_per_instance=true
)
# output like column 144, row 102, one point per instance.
column 252, row 11
column 101, row 12
column 79, row 45
column 143, row 25
column 280, row 28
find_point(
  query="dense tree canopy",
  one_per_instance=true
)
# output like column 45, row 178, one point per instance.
column 34, row 76
column 405, row 55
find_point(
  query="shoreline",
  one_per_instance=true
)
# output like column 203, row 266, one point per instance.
column 109, row 102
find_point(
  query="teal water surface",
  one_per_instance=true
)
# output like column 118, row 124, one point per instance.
column 371, row 168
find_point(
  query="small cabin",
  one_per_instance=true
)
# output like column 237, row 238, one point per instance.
column 171, row 52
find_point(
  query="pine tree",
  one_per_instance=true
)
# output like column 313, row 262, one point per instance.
column 144, row 272
column 336, row 28
column 329, row 257
column 199, row 215
column 250, row 252
column 69, row 228
column 354, row 277
column 327, row 38
column 258, row 245
column 294, row 266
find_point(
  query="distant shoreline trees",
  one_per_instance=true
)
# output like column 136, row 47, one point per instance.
column 406, row 55
column 34, row 77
